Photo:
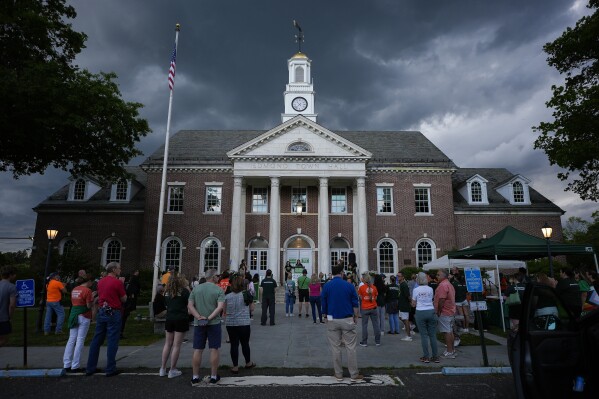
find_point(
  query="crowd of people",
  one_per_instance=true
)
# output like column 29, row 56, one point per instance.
column 424, row 303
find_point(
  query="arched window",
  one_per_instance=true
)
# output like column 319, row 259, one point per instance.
column 386, row 256
column 79, row 190
column 476, row 192
column 171, row 250
column 299, row 74
column 518, row 191
column 210, row 256
column 111, row 251
column 67, row 246
column 425, row 252
column 339, row 251
column 299, row 146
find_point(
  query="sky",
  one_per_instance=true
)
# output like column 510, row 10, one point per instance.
column 470, row 75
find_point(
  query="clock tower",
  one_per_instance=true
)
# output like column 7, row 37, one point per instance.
column 299, row 92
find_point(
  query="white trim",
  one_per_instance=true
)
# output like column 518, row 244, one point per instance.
column 163, row 250
column 384, row 186
column 113, row 190
column 393, row 253
column 433, row 245
column 203, row 253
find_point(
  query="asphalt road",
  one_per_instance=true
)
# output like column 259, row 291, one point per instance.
column 410, row 383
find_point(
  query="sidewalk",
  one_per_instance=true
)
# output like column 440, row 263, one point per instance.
column 294, row 342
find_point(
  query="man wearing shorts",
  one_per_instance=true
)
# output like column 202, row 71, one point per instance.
column 8, row 301
column 445, row 308
column 206, row 303
column 303, row 283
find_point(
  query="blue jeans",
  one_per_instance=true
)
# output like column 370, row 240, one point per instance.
column 373, row 315
column 426, row 320
column 394, row 323
column 315, row 303
column 107, row 326
column 289, row 302
column 54, row 307
column 381, row 315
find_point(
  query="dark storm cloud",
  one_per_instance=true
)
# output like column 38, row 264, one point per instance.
column 471, row 75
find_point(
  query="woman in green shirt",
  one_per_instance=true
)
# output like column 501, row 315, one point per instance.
column 176, row 296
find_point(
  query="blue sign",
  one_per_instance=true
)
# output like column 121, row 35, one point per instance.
column 474, row 281
column 25, row 293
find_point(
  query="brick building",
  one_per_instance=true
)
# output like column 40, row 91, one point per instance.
column 389, row 199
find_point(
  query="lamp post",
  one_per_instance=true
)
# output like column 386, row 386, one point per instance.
column 52, row 233
column 547, row 231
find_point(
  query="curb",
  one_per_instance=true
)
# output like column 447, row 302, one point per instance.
column 475, row 370
column 32, row 373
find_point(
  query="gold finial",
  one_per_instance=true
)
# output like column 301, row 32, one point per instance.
column 178, row 27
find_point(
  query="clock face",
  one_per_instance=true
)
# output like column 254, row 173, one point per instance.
column 299, row 103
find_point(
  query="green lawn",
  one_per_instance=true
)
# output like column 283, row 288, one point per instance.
column 137, row 332
column 469, row 339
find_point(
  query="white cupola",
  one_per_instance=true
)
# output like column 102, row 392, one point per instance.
column 299, row 92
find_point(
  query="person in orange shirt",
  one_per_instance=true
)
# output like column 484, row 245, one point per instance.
column 54, row 291
column 368, row 293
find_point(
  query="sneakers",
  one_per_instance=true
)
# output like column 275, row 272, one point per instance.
column 406, row 338
column 412, row 333
column 195, row 382
column 162, row 372
column 456, row 342
column 435, row 359
column 286, row 314
column 425, row 359
column 449, row 355
column 378, row 344
column 339, row 377
column 215, row 380
column 174, row 373
column 363, row 344
column 357, row 378
column 464, row 330
column 382, row 333
column 307, row 316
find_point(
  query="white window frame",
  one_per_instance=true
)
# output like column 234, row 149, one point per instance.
column 393, row 253
column 170, row 187
column 209, row 187
column 383, row 187
column 344, row 199
column 260, row 264
column 73, row 186
column 426, row 187
column 63, row 242
column 115, row 188
column 165, row 250
column 105, row 250
column 302, row 193
column 483, row 190
column 255, row 200
column 433, row 250
column 203, row 267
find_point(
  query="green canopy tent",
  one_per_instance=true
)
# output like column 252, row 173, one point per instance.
column 511, row 243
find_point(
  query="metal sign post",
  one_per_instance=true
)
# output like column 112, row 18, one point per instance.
column 25, row 299
column 474, row 284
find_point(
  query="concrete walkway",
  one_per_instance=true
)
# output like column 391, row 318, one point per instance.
column 294, row 342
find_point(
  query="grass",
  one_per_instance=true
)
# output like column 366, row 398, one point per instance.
column 468, row 340
column 138, row 332
column 499, row 331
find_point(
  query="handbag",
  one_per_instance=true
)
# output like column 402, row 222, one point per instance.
column 513, row 299
column 247, row 298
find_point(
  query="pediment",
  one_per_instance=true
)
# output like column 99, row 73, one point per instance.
column 296, row 139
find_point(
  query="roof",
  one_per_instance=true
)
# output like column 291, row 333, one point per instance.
column 496, row 177
column 387, row 147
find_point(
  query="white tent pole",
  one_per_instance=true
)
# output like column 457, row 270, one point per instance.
column 500, row 297
column 596, row 267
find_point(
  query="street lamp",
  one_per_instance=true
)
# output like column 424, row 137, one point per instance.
column 547, row 231
column 51, row 233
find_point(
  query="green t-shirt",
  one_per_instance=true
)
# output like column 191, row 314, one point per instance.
column 176, row 308
column 205, row 298
column 303, row 282
column 584, row 286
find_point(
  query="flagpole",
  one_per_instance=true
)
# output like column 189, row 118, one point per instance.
column 164, row 165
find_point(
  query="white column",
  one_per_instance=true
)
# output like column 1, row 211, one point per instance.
column 242, row 224
column 234, row 247
column 362, row 255
column 274, row 230
column 323, row 227
column 355, row 243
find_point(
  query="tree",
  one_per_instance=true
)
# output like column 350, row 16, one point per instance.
column 579, row 231
column 52, row 112
column 572, row 140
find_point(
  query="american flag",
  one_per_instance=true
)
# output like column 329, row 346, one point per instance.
column 171, row 71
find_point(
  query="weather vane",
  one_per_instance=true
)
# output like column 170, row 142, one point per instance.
column 299, row 38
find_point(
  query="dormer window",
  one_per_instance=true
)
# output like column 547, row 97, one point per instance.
column 121, row 191
column 516, row 190
column 299, row 146
column 475, row 191
column 79, row 190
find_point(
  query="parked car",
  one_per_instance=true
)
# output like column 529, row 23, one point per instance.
column 553, row 354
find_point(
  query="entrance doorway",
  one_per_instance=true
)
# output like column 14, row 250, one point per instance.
column 298, row 248
column 258, row 257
